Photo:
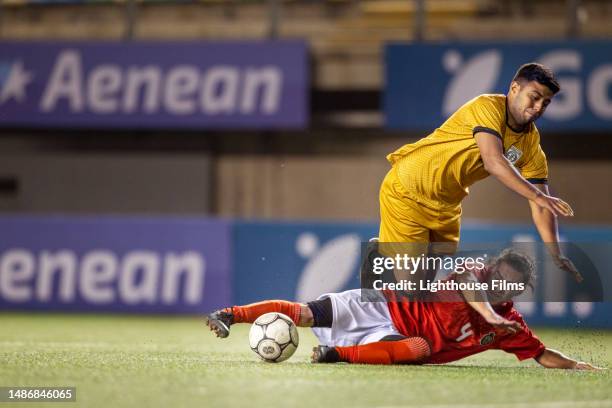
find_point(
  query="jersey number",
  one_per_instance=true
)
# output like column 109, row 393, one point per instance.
column 465, row 332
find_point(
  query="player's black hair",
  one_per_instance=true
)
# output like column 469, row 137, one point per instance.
column 520, row 263
column 537, row 72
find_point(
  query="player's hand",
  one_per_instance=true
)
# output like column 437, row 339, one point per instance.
column 568, row 266
column 586, row 366
column 505, row 325
column 554, row 205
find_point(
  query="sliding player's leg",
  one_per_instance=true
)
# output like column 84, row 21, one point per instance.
column 356, row 321
column 313, row 314
column 407, row 350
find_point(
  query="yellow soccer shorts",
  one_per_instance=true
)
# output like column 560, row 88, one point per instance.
column 404, row 220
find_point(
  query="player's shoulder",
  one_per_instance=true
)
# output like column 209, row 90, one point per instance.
column 490, row 101
column 491, row 107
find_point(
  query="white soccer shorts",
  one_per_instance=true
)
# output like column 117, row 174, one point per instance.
column 355, row 322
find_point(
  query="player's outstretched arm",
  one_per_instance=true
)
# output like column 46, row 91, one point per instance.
column 553, row 359
column 478, row 300
column 485, row 309
column 546, row 223
column 491, row 152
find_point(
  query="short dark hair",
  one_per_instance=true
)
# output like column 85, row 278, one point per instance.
column 537, row 72
column 520, row 262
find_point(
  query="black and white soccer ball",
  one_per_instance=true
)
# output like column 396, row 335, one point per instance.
column 273, row 337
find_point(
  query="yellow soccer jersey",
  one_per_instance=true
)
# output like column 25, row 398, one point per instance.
column 437, row 170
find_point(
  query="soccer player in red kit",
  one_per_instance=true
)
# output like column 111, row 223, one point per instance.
column 437, row 330
column 454, row 330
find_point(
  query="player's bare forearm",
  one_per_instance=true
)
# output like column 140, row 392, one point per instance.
column 547, row 226
column 491, row 152
column 474, row 297
column 502, row 170
column 485, row 309
column 546, row 223
column 480, row 303
column 553, row 359
column 478, row 300
column 499, row 167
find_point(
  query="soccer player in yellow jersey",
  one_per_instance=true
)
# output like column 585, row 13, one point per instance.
column 420, row 198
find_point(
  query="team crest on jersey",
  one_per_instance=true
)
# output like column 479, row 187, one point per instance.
column 487, row 339
column 513, row 154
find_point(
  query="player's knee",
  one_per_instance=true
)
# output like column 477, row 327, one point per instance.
column 306, row 316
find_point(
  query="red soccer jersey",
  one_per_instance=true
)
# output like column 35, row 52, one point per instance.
column 455, row 330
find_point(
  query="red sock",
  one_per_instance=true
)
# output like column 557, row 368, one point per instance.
column 410, row 350
column 249, row 313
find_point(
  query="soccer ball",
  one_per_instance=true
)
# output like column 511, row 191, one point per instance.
column 273, row 337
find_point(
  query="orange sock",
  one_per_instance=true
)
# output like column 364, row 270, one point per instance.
column 410, row 350
column 249, row 313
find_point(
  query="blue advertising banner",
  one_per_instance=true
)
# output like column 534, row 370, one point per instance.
column 184, row 265
column 114, row 264
column 301, row 261
column 210, row 85
column 425, row 84
column 564, row 314
column 296, row 260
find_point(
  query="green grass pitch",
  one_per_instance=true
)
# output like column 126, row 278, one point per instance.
column 136, row 361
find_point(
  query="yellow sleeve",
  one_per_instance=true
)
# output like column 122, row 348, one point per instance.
column 535, row 169
column 486, row 115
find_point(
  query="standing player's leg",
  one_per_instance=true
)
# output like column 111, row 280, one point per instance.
column 444, row 236
column 400, row 218
column 403, row 229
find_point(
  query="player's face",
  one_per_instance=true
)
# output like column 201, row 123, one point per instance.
column 502, row 292
column 528, row 101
